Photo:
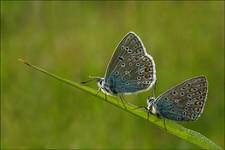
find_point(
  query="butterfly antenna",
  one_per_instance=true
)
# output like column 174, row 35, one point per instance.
column 154, row 89
column 140, row 107
column 105, row 96
column 84, row 82
column 92, row 78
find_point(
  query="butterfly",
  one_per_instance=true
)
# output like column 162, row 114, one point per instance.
column 184, row 102
column 130, row 70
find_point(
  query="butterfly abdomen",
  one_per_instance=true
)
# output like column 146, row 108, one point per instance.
column 112, row 85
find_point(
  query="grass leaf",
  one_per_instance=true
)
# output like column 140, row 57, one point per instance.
column 171, row 126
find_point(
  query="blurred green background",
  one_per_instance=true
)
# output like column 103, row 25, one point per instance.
column 77, row 39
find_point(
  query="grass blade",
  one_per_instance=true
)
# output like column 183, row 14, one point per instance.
column 171, row 126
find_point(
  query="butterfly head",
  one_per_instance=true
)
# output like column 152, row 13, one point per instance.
column 103, row 86
column 101, row 83
column 151, row 105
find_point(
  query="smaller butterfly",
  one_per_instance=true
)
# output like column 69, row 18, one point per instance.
column 184, row 102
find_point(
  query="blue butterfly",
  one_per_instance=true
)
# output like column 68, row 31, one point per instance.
column 184, row 102
column 130, row 69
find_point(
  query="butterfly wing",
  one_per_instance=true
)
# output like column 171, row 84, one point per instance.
column 185, row 101
column 131, row 69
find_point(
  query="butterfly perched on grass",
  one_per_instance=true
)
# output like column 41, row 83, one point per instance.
column 184, row 102
column 130, row 70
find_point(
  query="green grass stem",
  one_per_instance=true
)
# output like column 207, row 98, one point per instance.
column 171, row 126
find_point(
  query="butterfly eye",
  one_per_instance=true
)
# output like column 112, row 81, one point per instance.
column 122, row 47
column 137, row 64
column 127, row 48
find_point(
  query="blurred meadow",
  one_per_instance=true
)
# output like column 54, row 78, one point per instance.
column 75, row 40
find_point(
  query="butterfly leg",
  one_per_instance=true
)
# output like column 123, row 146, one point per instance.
column 140, row 107
column 91, row 79
column 164, row 123
column 148, row 115
column 122, row 100
column 105, row 96
column 99, row 89
column 160, row 117
column 145, row 108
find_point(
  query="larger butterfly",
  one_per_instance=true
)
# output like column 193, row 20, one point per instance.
column 184, row 102
column 130, row 69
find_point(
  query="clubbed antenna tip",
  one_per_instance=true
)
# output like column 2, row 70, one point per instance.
column 23, row 61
